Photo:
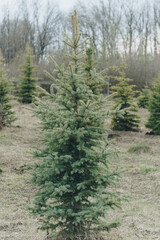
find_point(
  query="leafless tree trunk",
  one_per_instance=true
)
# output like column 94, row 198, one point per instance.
column 46, row 26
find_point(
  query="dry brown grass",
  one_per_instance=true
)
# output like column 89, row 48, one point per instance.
column 16, row 190
column 140, row 217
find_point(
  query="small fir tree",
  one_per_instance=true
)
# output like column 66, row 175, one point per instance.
column 73, row 177
column 154, row 108
column 7, row 115
column 27, row 86
column 124, row 94
column 143, row 99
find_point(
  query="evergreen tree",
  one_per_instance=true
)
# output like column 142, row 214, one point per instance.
column 6, row 113
column 124, row 98
column 95, row 81
column 154, row 108
column 143, row 99
column 74, row 175
column 27, row 86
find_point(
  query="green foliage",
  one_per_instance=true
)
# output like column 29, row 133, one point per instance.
column 72, row 200
column 6, row 113
column 124, row 94
column 95, row 81
column 154, row 108
column 27, row 86
column 139, row 148
column 143, row 99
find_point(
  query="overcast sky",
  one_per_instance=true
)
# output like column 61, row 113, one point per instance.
column 64, row 5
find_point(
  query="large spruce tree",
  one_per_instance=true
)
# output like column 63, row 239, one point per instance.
column 27, row 85
column 124, row 98
column 7, row 115
column 73, row 199
column 153, row 122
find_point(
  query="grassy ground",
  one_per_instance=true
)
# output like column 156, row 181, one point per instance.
column 138, row 157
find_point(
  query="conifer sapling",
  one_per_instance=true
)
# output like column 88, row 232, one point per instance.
column 143, row 99
column 7, row 115
column 73, row 199
column 95, row 81
column 27, row 86
column 154, row 108
column 124, row 98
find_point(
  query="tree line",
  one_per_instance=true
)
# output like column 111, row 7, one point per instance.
column 118, row 29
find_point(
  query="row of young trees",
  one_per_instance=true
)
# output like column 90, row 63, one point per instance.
column 25, row 90
column 123, row 90
column 74, row 178
column 124, row 93
column 72, row 200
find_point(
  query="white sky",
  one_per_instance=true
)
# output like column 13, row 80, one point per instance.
column 64, row 5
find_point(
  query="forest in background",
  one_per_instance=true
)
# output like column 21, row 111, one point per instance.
column 118, row 29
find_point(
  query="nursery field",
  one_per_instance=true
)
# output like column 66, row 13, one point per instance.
column 138, row 158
